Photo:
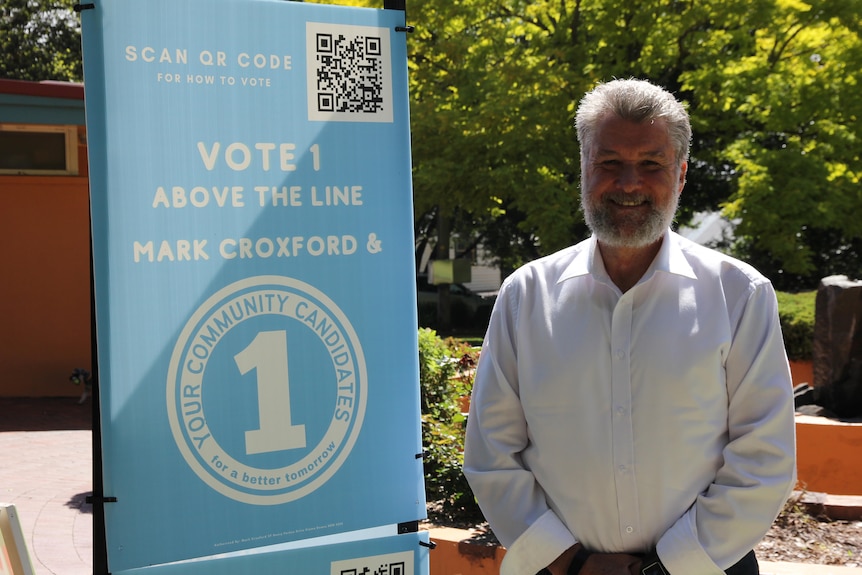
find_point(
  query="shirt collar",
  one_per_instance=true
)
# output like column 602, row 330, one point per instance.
column 670, row 259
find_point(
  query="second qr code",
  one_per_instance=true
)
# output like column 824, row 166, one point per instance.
column 389, row 564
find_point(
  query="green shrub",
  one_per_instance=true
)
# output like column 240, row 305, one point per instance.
column 796, row 313
column 445, row 376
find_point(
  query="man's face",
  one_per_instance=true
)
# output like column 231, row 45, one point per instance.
column 630, row 182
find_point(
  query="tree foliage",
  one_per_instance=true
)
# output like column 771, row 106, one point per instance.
column 40, row 40
column 771, row 86
column 797, row 148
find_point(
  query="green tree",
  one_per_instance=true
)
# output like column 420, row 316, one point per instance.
column 796, row 146
column 489, row 113
column 40, row 40
column 771, row 85
column 494, row 86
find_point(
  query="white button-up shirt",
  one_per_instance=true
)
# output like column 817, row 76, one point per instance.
column 657, row 418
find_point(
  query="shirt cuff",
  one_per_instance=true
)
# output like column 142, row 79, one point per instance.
column 680, row 550
column 538, row 546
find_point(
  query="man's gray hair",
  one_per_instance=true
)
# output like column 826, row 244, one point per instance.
column 636, row 101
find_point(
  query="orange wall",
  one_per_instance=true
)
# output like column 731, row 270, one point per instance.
column 453, row 556
column 45, row 293
column 827, row 451
column 802, row 372
column 827, row 455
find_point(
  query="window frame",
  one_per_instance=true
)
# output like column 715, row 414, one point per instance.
column 71, row 149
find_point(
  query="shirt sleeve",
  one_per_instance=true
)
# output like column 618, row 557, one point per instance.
column 508, row 494
column 759, row 470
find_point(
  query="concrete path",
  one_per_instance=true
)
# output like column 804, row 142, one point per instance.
column 46, row 472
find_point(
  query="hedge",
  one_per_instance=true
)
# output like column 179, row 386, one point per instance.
column 796, row 313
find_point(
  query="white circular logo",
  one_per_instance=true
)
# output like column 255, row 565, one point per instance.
column 266, row 390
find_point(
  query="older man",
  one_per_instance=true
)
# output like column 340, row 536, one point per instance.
column 633, row 408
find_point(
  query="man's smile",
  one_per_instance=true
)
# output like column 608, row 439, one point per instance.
column 628, row 201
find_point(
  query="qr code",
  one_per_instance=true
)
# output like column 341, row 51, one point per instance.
column 390, row 564
column 349, row 73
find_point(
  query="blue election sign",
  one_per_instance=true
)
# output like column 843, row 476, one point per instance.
column 255, row 283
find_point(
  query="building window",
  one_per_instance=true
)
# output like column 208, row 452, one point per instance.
column 38, row 150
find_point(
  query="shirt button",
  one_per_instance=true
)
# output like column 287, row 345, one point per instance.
column 630, row 529
column 620, row 354
column 621, row 410
column 622, row 468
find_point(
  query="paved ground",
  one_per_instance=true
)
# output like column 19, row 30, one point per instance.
column 46, row 472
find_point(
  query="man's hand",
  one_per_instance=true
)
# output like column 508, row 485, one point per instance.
column 561, row 563
column 611, row 564
column 597, row 563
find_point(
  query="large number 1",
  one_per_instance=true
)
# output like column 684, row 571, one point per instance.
column 267, row 354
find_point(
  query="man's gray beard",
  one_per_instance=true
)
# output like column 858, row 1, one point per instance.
column 600, row 221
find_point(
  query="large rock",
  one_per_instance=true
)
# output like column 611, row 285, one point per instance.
column 838, row 346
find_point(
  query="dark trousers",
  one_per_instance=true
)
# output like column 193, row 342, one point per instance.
column 745, row 566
